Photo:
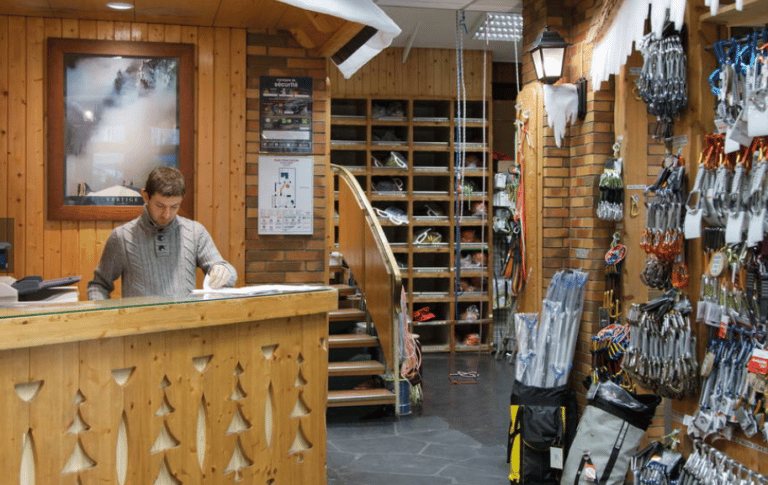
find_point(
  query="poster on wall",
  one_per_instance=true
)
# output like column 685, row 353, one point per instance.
column 286, row 114
column 285, row 195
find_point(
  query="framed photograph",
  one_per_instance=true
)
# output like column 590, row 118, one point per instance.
column 116, row 110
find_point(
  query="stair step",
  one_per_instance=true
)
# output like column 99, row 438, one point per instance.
column 348, row 340
column 359, row 368
column 344, row 290
column 360, row 397
column 346, row 314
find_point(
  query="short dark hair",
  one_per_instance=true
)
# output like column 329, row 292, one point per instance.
column 166, row 181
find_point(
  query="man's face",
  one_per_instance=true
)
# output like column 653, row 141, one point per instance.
column 162, row 209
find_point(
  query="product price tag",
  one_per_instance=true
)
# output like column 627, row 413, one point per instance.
column 722, row 332
column 758, row 363
column 556, row 458
column 590, row 473
column 720, row 125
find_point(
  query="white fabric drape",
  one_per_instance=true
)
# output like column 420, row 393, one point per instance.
column 611, row 52
column 361, row 11
column 561, row 103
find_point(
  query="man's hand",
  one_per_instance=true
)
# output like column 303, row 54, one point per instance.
column 218, row 276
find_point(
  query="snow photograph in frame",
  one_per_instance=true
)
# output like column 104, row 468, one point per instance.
column 116, row 110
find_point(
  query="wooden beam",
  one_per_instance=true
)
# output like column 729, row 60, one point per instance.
column 338, row 39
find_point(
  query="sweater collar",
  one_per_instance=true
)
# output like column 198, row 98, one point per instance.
column 149, row 224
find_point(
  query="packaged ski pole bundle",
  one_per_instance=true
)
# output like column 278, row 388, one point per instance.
column 543, row 411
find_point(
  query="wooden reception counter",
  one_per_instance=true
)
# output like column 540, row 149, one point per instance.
column 160, row 391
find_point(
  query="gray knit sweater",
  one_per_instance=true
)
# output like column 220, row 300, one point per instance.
column 155, row 261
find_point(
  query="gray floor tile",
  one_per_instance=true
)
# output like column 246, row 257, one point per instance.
column 456, row 437
column 474, row 475
column 415, row 424
column 359, row 478
column 446, row 437
column 399, row 464
column 451, row 452
column 346, row 432
column 384, row 444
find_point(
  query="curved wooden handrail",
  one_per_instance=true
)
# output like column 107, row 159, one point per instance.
column 369, row 256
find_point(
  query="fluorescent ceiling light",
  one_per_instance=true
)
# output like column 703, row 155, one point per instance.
column 120, row 5
column 498, row 26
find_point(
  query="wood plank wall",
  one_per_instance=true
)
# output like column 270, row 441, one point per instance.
column 54, row 249
column 426, row 72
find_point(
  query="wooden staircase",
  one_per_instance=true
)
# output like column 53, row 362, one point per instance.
column 347, row 372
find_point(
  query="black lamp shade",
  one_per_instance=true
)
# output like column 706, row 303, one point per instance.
column 548, row 55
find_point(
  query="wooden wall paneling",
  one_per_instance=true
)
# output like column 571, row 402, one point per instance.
column 419, row 88
column 629, row 114
column 221, row 129
column 142, row 398
column 172, row 34
column 17, row 179
column 284, row 371
column 219, row 385
column 254, row 342
column 34, row 218
column 156, row 33
column 53, row 409
column 70, row 234
column 105, row 30
column 445, row 69
column 236, row 251
column 205, row 113
column 103, row 405
column 410, row 76
column 88, row 29
column 14, row 420
column 87, row 229
column 695, row 122
column 5, row 167
column 139, row 31
column 531, row 99
column 123, row 31
column 315, row 392
column 183, row 397
column 53, row 264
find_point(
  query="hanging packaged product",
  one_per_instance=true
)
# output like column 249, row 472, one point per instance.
column 661, row 355
column 663, row 237
column 658, row 464
column 662, row 84
column 708, row 465
column 611, row 204
column 740, row 84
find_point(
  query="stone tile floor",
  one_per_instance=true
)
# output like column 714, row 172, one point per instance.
column 456, row 437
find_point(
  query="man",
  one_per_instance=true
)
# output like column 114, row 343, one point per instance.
column 158, row 253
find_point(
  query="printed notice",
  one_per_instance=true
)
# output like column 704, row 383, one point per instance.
column 285, row 195
column 286, row 114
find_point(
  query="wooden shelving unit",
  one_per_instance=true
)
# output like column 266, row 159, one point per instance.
column 365, row 133
column 754, row 13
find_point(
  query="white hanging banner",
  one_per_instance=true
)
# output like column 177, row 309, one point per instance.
column 363, row 12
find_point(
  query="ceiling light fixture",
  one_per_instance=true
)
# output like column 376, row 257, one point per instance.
column 120, row 5
column 498, row 26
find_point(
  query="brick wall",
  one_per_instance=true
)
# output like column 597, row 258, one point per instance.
column 285, row 259
column 571, row 174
